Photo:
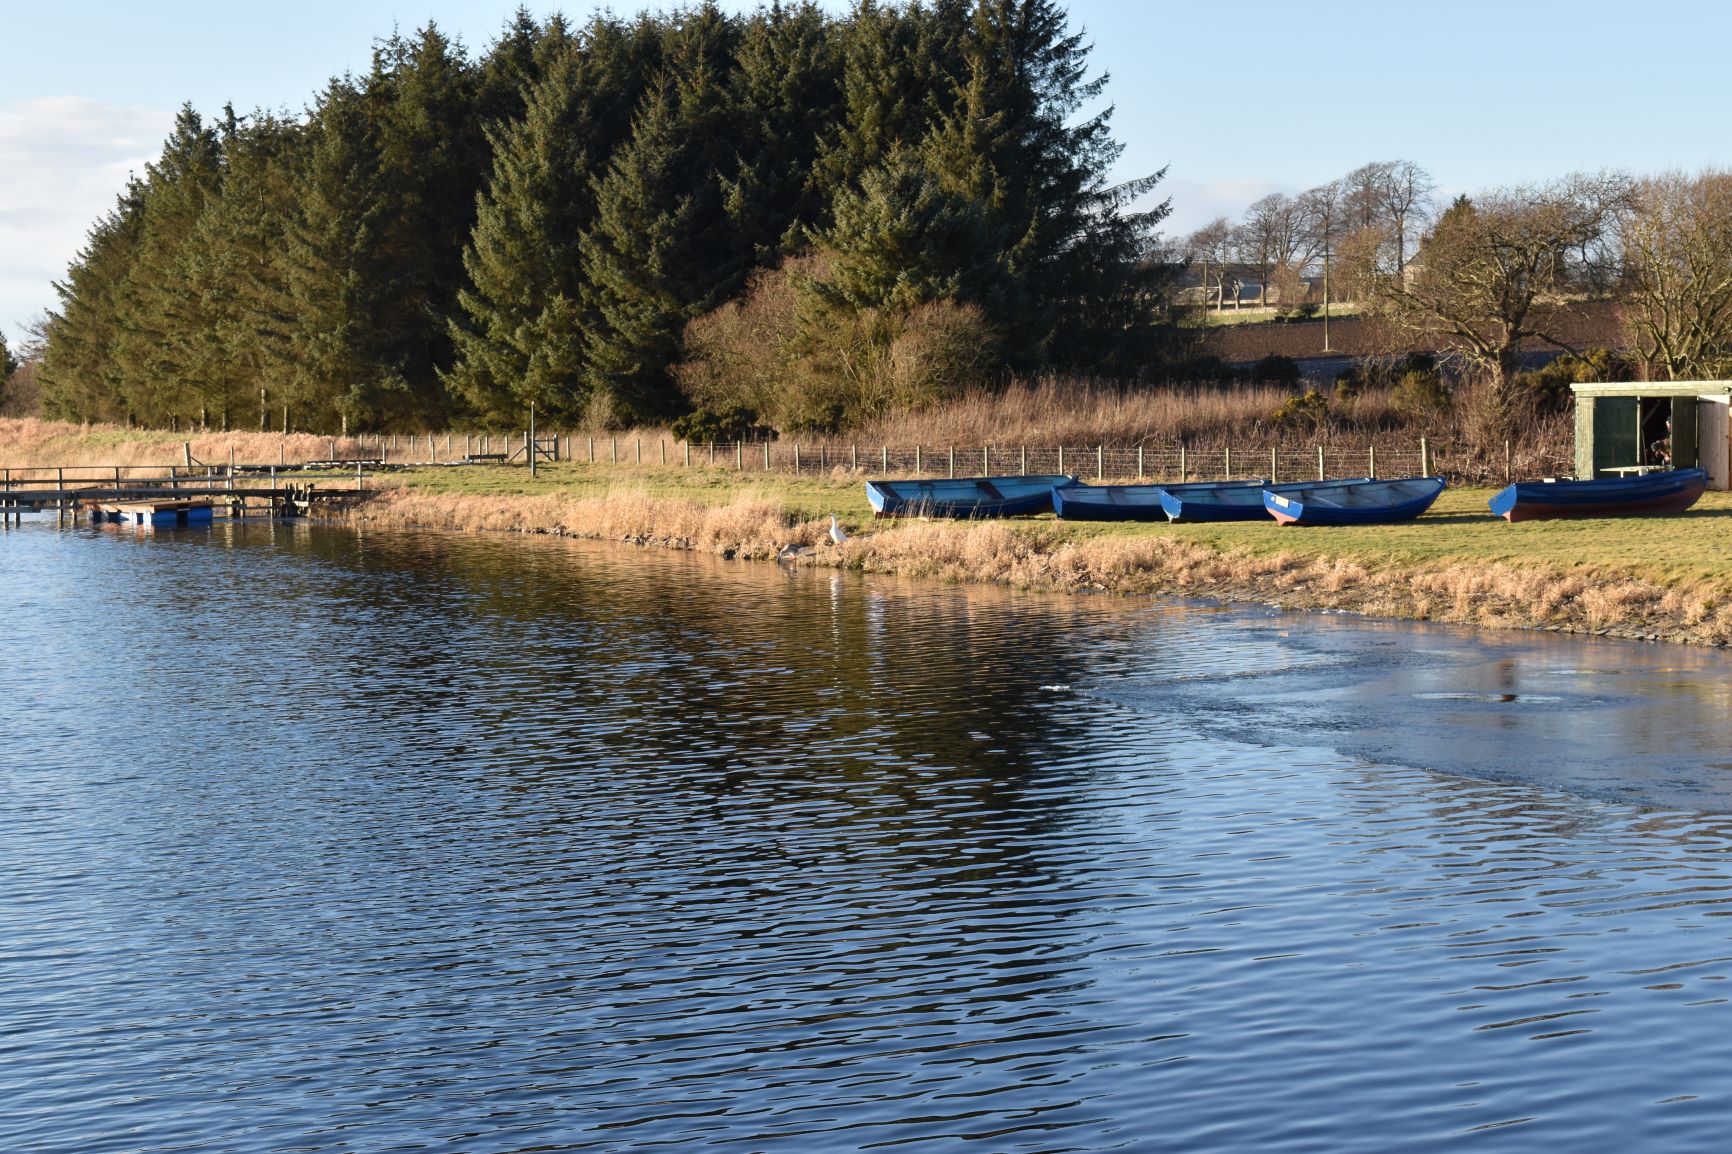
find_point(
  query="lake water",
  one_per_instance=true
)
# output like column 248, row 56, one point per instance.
column 322, row 841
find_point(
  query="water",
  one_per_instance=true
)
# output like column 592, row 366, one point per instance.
column 318, row 841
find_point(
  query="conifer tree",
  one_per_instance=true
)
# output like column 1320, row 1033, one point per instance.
column 662, row 249
column 160, row 306
column 787, row 88
column 523, row 327
column 80, row 373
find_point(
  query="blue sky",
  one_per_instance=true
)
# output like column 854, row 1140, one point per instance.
column 1235, row 100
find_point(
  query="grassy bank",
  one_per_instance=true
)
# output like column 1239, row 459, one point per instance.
column 1664, row 578
column 1661, row 578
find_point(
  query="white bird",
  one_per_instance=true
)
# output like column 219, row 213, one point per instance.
column 837, row 536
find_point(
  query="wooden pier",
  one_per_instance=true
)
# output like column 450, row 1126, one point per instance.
column 237, row 490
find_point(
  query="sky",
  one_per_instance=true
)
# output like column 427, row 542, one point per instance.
column 1235, row 100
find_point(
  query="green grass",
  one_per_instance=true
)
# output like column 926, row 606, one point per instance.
column 1682, row 548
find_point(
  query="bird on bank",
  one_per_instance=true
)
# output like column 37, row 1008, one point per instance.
column 837, row 535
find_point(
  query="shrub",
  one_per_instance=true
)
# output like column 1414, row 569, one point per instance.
column 1276, row 369
column 729, row 423
column 1547, row 390
column 1420, row 393
column 1308, row 412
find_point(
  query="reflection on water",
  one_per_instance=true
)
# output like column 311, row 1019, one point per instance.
column 325, row 841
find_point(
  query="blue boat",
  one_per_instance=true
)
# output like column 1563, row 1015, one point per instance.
column 1130, row 502
column 1223, row 500
column 965, row 496
column 1670, row 491
column 1353, row 502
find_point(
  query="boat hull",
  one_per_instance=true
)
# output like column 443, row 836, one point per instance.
column 1354, row 502
column 1225, row 501
column 1672, row 491
column 962, row 497
column 1126, row 502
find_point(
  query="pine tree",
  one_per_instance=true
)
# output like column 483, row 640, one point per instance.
column 662, row 249
column 80, row 377
column 787, row 88
column 1009, row 143
column 160, row 303
column 522, row 331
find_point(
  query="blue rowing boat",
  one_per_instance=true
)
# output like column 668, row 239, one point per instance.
column 1671, row 491
column 1353, row 502
column 1129, row 502
column 965, row 496
column 1222, row 500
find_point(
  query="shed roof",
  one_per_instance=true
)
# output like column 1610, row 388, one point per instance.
column 1652, row 389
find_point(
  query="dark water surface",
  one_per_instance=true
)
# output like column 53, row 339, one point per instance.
column 314, row 841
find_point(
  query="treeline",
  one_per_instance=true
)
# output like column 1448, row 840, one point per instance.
column 447, row 240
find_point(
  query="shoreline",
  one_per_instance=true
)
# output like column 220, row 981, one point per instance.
column 1052, row 556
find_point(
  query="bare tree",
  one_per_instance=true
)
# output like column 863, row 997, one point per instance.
column 1406, row 192
column 1677, row 248
column 1495, row 270
column 1275, row 237
column 1362, row 194
column 1323, row 212
column 1211, row 247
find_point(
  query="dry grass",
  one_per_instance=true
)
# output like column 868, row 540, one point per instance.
column 31, row 443
column 1051, row 556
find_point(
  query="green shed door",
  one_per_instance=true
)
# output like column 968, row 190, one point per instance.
column 1615, row 433
column 1684, row 454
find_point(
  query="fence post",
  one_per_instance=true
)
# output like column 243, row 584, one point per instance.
column 592, row 450
column 917, row 467
column 1508, row 473
column 1139, row 461
column 663, row 446
column 1100, row 462
column 796, row 457
column 1024, row 461
column 766, row 456
column 986, row 461
column 1371, row 461
column 953, row 460
column 740, row 456
column 824, row 458
column 1274, row 460
column 1320, row 471
column 1061, row 458
column 686, row 447
column 637, row 449
column 1228, row 457
column 884, row 457
column 854, row 458
column 1424, row 458
column 1182, row 466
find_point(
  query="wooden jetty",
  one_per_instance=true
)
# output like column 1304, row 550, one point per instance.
column 176, row 492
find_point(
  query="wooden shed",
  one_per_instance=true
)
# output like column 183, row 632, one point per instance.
column 1621, row 428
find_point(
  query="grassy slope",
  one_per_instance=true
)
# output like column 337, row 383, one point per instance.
column 1689, row 547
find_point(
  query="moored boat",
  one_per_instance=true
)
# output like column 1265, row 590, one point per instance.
column 965, row 496
column 1670, row 491
column 1353, row 502
column 1222, row 500
column 1128, row 502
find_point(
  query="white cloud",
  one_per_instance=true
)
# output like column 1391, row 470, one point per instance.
column 63, row 160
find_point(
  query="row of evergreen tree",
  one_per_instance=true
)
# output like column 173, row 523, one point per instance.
column 448, row 239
